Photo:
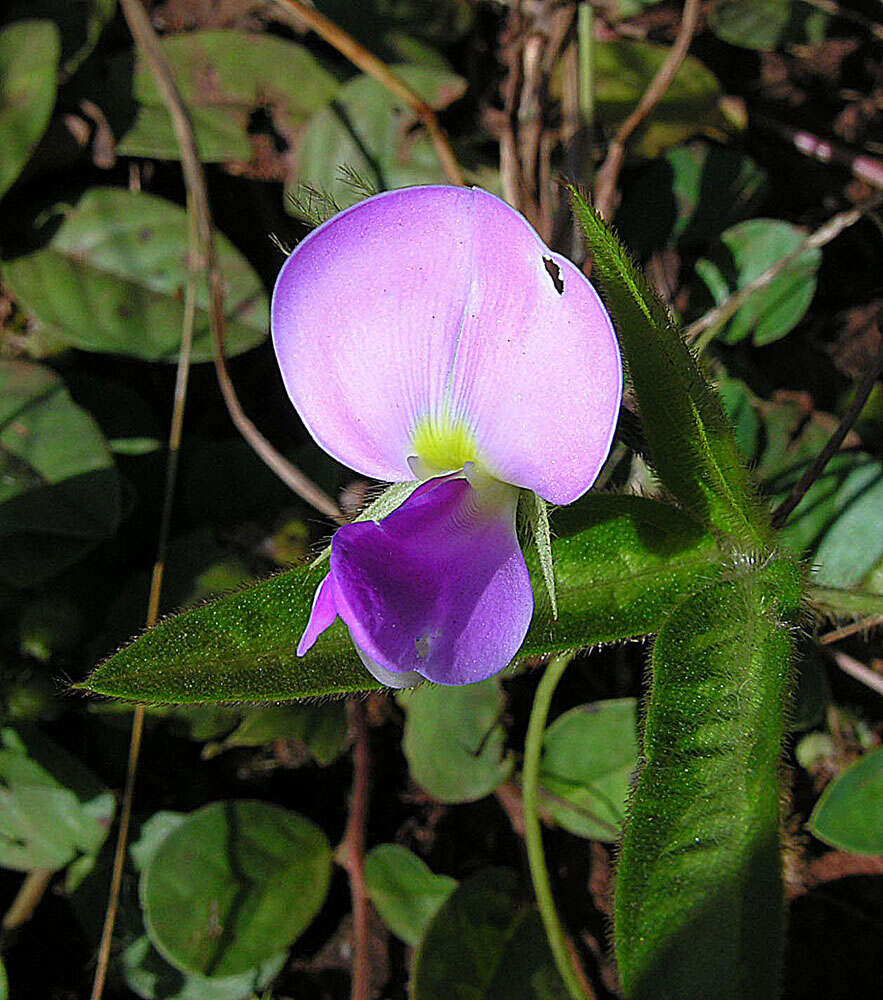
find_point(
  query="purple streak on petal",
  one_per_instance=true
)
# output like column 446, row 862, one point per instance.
column 321, row 617
column 365, row 316
column 439, row 587
column 537, row 370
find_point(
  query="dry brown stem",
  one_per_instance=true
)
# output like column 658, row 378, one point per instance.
column 608, row 174
column 368, row 63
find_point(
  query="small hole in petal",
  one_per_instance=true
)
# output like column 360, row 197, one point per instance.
column 554, row 272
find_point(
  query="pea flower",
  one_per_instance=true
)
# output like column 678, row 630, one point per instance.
column 429, row 334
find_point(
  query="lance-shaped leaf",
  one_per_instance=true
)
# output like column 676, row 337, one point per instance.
column 691, row 443
column 699, row 887
column 618, row 578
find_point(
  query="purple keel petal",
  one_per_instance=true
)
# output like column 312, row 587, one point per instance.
column 439, row 587
column 321, row 617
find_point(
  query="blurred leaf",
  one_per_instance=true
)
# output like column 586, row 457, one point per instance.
column 853, row 544
column 750, row 248
column 781, row 437
column 224, row 76
column 624, row 69
column 765, row 25
column 699, row 885
column 691, row 442
column 849, row 815
column 52, row 810
column 59, row 490
column 232, row 885
column 689, row 196
column 454, row 741
column 618, row 578
column 485, row 946
column 321, row 728
column 406, row 892
column 29, row 52
column 752, row 24
column 79, row 24
column 149, row 975
column 589, row 754
column 114, row 274
column 845, row 605
column 371, row 131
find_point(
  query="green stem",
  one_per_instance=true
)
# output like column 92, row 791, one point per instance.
column 533, row 836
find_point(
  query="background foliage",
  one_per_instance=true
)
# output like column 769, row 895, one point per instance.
column 232, row 884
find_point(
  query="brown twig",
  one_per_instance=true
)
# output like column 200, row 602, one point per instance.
column 27, row 899
column 351, row 851
column 608, row 174
column 832, row 446
column 194, row 177
column 849, row 665
column 845, row 631
column 827, row 232
column 368, row 63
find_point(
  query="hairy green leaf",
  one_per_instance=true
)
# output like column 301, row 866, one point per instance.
column 692, row 445
column 699, row 887
column 618, row 578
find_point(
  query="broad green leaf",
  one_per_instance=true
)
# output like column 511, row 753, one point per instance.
column 618, row 578
column 321, row 728
column 29, row 52
column 406, row 892
column 622, row 72
column 688, row 196
column 844, row 605
column 485, row 946
column 234, row 884
column 224, row 76
column 849, row 815
column 113, row 277
column 589, row 754
column 59, row 490
column 781, row 438
column 752, row 24
column 454, row 739
column 747, row 250
column 370, row 131
column 853, row 545
column 149, row 975
column 699, row 885
column 52, row 810
column 78, row 22
column 765, row 25
column 691, row 443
